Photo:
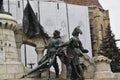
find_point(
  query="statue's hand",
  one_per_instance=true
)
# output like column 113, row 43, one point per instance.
column 85, row 51
column 58, row 46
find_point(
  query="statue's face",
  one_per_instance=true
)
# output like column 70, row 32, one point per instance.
column 78, row 31
column 56, row 33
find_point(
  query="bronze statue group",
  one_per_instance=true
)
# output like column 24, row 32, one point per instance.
column 69, row 56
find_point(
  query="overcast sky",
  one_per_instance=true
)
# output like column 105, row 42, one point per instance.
column 114, row 11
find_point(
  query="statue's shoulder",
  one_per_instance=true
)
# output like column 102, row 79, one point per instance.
column 50, row 39
column 73, row 38
column 60, row 40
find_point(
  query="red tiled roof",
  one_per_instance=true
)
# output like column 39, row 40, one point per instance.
column 84, row 2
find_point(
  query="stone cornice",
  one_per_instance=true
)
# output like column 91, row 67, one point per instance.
column 101, row 59
column 7, row 22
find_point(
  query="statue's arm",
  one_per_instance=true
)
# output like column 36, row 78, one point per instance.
column 81, row 48
column 47, row 36
column 66, row 43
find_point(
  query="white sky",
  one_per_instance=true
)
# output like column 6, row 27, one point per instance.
column 114, row 12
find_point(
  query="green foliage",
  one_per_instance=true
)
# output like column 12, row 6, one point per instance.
column 110, row 50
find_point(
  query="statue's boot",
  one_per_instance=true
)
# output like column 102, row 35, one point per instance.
column 68, row 79
column 55, row 65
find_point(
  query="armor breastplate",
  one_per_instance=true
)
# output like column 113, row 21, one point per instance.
column 52, row 42
column 75, row 42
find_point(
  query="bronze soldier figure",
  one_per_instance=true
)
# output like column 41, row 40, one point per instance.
column 74, row 51
column 52, row 50
column 50, row 58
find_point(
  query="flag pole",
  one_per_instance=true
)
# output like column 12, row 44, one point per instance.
column 25, row 55
column 68, row 20
column 23, row 5
column 38, row 11
column 25, row 52
column 8, row 6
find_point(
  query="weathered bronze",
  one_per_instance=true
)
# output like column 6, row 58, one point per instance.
column 50, row 58
column 31, row 26
column 71, row 59
column 1, row 6
column 51, row 50
column 74, row 51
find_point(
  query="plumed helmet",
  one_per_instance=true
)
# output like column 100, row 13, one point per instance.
column 76, row 31
column 56, row 33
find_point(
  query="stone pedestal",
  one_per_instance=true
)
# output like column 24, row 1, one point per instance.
column 63, row 72
column 10, row 66
column 103, row 70
column 39, row 51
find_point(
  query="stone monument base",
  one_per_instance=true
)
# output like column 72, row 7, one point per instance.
column 11, row 70
column 103, row 70
column 65, row 79
column 103, row 79
column 103, row 75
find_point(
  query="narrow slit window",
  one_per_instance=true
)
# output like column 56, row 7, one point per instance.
column 9, row 44
column 18, row 4
column 57, row 6
column 1, row 49
column 0, row 24
column 5, row 44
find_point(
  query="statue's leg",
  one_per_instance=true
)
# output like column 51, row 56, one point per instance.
column 56, row 67
column 69, row 71
column 74, row 72
column 63, row 58
column 80, row 70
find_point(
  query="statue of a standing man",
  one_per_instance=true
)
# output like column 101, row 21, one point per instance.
column 74, row 51
column 1, row 6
